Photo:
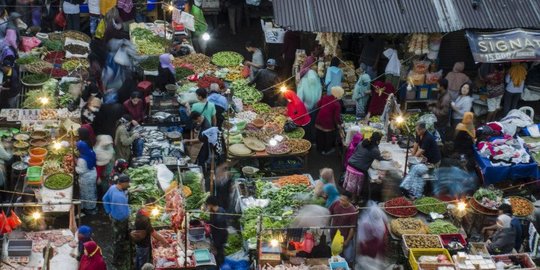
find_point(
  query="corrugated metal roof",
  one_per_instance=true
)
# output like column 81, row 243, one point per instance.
column 498, row 14
column 404, row 16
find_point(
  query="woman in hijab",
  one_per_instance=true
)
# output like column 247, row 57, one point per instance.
column 89, row 111
column 465, row 136
column 372, row 231
column 84, row 234
column 86, row 134
column 328, row 121
column 126, row 10
column 104, row 156
column 327, row 177
column 122, row 138
column 86, row 168
column 310, row 87
column 92, row 258
column 332, row 194
column 296, row 109
column 503, row 240
column 7, row 52
column 334, row 76
column 361, row 92
column 166, row 72
column 456, row 78
column 379, row 96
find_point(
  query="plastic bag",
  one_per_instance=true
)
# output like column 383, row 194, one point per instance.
column 6, row 228
column 245, row 72
column 235, row 264
column 164, row 176
column 100, row 30
column 121, row 57
column 28, row 43
column 60, row 19
column 337, row 243
column 14, row 221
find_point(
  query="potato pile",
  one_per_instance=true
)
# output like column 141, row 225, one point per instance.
column 422, row 241
column 401, row 226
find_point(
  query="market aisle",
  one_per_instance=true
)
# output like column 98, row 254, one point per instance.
column 102, row 234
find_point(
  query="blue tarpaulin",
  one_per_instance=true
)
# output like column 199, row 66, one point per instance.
column 494, row 174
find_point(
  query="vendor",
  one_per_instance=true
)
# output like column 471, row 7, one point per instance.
column 441, row 109
column 266, row 81
column 296, row 109
column 166, row 72
column 135, row 106
column 379, row 95
column 426, row 146
column 122, row 138
column 462, row 104
column 143, row 233
column 5, row 156
column 11, row 87
column 257, row 60
column 201, row 142
column 361, row 160
column 218, row 228
column 86, row 169
column 220, row 103
column 465, row 136
column 328, row 121
column 503, row 241
column 327, row 177
column 334, row 75
column 104, row 156
column 506, row 209
column 204, row 107
column 90, row 110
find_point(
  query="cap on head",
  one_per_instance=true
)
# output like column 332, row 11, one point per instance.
column 271, row 62
column 124, row 179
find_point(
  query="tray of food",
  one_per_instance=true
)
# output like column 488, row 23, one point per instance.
column 400, row 207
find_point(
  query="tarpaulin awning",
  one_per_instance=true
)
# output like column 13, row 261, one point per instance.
column 511, row 45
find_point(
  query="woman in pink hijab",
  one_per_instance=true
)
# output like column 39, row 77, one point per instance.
column 126, row 10
column 296, row 109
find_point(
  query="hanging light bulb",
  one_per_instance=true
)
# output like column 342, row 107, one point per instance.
column 409, row 87
column 171, row 8
column 283, row 89
column 400, row 119
column 57, row 145
column 461, row 206
column 274, row 243
column 44, row 100
column 206, row 36
column 155, row 212
column 36, row 215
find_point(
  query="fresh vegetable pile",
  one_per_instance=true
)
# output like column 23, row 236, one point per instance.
column 422, row 241
column 35, row 78
column 59, row 181
column 199, row 62
column 25, row 60
column 234, row 244
column 279, row 149
column 37, row 66
column 143, row 179
column 186, row 87
column 182, row 73
column 248, row 94
column 489, row 198
column 207, row 80
column 348, row 118
column 147, row 42
column 401, row 226
column 298, row 145
column 55, row 57
column 53, row 45
column 261, row 108
column 198, row 196
column 400, row 207
column 297, row 133
column 151, row 63
column 442, row 227
column 296, row 179
column 56, row 72
column 76, row 49
column 428, row 205
column 75, row 63
column 227, row 59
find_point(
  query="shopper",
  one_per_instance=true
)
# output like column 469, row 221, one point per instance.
column 115, row 203
column 462, row 104
column 441, row 109
column 73, row 14
column 344, row 215
column 503, row 240
column 235, row 9
column 10, row 90
column 84, row 234
column 207, row 109
column 493, row 76
column 86, row 169
column 135, row 106
column 220, row 103
column 126, row 10
column 379, row 97
column 327, row 177
column 331, row 193
column 104, row 150
column 200, row 143
column 92, row 258
column 465, row 137
column 515, row 82
column 91, row 90
column 122, row 138
column 334, row 75
column 218, row 228
column 310, row 88
column 166, row 72
column 456, row 79
column 328, row 121
column 361, row 160
column 113, row 26
column 93, row 10
column 7, row 53
column 266, row 81
column 361, row 92
column 107, row 118
column 413, row 184
column 90, row 110
column 426, row 145
column 257, row 59
column 119, row 167
column 372, row 232
column 13, row 36
column 296, row 109
column 143, row 233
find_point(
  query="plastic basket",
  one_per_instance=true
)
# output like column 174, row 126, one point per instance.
column 522, row 257
column 339, row 265
column 478, row 248
column 406, row 247
column 447, row 238
column 33, row 174
column 415, row 253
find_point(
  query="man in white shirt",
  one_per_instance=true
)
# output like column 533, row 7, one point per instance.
column 257, row 59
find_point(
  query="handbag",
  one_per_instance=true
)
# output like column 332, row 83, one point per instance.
column 60, row 19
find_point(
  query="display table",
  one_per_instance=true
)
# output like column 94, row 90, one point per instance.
column 495, row 174
column 263, row 155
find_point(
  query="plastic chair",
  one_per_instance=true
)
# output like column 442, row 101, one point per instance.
column 528, row 111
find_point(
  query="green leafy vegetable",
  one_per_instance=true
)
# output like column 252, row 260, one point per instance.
column 182, row 73
column 151, row 63
column 35, row 78
column 227, row 59
column 59, row 181
column 248, row 94
column 25, row 60
column 442, row 227
column 428, row 205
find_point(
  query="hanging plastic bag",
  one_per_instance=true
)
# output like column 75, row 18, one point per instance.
column 4, row 222
column 14, row 221
column 100, row 30
column 245, row 72
column 28, row 43
column 121, row 57
column 60, row 19
column 337, row 243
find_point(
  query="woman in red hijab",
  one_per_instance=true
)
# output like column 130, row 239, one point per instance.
column 379, row 95
column 92, row 258
column 296, row 109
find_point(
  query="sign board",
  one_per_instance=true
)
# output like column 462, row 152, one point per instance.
column 272, row 34
column 504, row 46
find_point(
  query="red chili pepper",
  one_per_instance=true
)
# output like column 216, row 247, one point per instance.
column 206, row 81
column 399, row 210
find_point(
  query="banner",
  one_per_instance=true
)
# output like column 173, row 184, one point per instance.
column 504, row 46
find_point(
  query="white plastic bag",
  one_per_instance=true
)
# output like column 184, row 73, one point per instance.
column 164, row 176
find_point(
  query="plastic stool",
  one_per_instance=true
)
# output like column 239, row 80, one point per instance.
column 145, row 87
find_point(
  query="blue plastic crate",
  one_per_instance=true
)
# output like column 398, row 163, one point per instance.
column 424, row 91
column 336, row 265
